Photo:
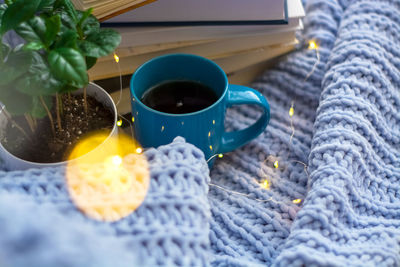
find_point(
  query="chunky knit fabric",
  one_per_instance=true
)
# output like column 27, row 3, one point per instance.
column 343, row 162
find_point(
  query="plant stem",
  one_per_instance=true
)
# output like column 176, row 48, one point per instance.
column 85, row 100
column 49, row 115
column 58, row 112
column 16, row 124
column 30, row 122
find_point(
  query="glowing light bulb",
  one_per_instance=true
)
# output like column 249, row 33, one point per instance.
column 291, row 111
column 266, row 184
column 220, row 155
column 117, row 160
column 297, row 201
column 139, row 150
column 312, row 45
column 276, row 164
column 116, row 58
column 211, row 148
column 133, row 119
column 119, row 123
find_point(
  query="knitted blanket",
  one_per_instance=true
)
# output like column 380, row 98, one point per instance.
column 329, row 175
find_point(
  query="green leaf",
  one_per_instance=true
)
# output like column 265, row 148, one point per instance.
column 5, row 50
column 46, row 4
column 83, row 15
column 17, row 64
column 33, row 30
column 9, row 2
column 90, row 62
column 18, row 12
column 3, row 8
column 38, row 111
column 39, row 80
column 70, row 10
column 101, row 43
column 90, row 25
column 33, row 46
column 67, row 23
column 17, row 103
column 53, row 25
column 68, row 39
column 69, row 65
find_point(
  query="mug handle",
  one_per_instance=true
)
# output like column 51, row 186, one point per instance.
column 240, row 95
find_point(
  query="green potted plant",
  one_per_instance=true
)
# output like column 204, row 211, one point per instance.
column 44, row 86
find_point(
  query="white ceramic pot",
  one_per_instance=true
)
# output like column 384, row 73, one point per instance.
column 12, row 162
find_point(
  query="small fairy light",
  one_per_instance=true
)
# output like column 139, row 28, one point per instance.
column 276, row 164
column 117, row 160
column 220, row 155
column 116, row 58
column 266, row 184
column 291, row 110
column 119, row 123
column 139, row 150
column 297, row 201
column 133, row 119
column 211, row 148
column 312, row 45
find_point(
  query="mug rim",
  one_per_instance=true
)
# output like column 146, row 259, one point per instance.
column 151, row 61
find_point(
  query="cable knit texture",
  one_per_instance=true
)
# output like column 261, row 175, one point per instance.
column 343, row 162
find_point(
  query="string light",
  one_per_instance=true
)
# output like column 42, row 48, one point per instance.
column 133, row 119
column 291, row 110
column 220, row 155
column 265, row 184
column 276, row 164
column 291, row 113
column 139, row 150
column 116, row 58
column 312, row 44
column 119, row 123
column 297, row 201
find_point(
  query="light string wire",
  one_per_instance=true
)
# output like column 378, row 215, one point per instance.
column 312, row 45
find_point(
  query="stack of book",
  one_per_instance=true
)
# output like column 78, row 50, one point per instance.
column 243, row 37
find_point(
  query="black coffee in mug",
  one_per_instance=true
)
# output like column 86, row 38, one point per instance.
column 179, row 97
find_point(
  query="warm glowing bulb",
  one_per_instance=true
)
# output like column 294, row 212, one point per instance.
column 312, row 45
column 220, row 155
column 117, row 160
column 297, row 201
column 211, row 148
column 265, row 184
column 116, row 58
column 133, row 119
column 119, row 123
column 291, row 111
column 276, row 164
column 139, row 150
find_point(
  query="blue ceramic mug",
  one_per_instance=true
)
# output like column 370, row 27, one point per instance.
column 203, row 128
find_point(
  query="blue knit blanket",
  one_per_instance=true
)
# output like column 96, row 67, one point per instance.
column 333, row 199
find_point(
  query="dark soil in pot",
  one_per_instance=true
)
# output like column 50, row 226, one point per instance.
column 43, row 146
